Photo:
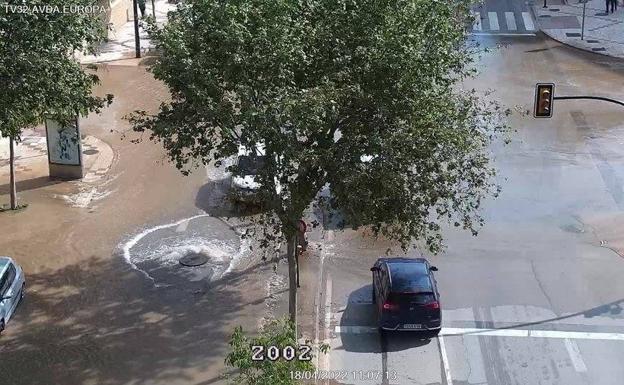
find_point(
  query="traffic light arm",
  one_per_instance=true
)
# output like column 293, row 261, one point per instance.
column 590, row 98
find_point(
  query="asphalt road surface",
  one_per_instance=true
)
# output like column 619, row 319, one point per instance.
column 107, row 300
column 537, row 296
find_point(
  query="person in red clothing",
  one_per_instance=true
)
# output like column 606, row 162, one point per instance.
column 302, row 227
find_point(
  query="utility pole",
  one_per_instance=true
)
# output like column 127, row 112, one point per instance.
column 137, row 38
column 545, row 6
column 583, row 25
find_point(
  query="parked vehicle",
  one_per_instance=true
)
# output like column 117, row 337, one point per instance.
column 405, row 294
column 244, row 186
column 12, row 289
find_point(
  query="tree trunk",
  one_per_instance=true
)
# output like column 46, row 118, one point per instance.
column 12, row 188
column 292, row 278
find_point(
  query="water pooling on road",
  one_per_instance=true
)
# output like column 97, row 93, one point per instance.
column 156, row 251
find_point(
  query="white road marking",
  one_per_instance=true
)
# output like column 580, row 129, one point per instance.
column 328, row 294
column 476, row 25
column 501, row 34
column 577, row 335
column 493, row 18
column 485, row 332
column 575, row 355
column 325, row 362
column 533, row 333
column 445, row 362
column 317, row 299
column 328, row 315
column 528, row 21
column 354, row 329
column 182, row 226
column 511, row 21
column 501, row 333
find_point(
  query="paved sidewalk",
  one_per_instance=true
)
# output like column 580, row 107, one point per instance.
column 562, row 21
column 121, row 44
column 31, row 157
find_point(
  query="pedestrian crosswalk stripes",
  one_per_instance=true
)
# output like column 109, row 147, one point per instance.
column 503, row 22
column 493, row 17
column 511, row 21
column 528, row 21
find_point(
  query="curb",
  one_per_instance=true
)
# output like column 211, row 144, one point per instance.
column 601, row 53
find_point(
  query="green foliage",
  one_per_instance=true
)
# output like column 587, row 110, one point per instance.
column 362, row 96
column 38, row 76
column 280, row 333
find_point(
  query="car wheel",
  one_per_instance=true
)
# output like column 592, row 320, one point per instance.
column 1, row 326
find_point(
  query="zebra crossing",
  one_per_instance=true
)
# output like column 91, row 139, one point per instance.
column 503, row 23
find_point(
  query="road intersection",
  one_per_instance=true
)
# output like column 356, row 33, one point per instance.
column 537, row 296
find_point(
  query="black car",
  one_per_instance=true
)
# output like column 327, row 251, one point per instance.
column 406, row 295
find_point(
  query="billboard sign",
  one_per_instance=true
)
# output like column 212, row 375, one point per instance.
column 64, row 146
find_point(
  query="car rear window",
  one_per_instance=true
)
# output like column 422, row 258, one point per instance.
column 410, row 277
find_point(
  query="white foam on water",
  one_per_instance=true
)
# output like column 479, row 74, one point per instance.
column 274, row 285
column 223, row 255
column 128, row 245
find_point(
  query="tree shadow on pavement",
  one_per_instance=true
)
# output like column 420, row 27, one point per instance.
column 30, row 184
column 101, row 322
column 359, row 328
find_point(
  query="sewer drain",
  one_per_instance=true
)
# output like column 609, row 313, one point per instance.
column 193, row 259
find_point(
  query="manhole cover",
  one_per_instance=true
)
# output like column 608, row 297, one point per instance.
column 573, row 228
column 193, row 259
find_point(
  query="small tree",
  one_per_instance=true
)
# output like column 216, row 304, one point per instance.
column 361, row 96
column 280, row 334
column 39, row 79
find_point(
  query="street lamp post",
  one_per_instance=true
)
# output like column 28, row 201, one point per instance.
column 583, row 25
column 137, row 38
column 545, row 6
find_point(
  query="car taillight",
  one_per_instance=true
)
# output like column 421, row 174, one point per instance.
column 390, row 306
column 433, row 305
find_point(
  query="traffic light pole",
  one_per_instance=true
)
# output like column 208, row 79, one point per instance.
column 589, row 98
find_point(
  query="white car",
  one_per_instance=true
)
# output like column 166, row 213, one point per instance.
column 244, row 186
column 12, row 287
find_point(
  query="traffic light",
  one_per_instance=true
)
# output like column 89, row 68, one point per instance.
column 544, row 94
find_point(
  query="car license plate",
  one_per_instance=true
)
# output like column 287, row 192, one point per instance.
column 412, row 326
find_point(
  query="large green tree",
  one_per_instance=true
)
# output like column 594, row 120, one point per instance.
column 39, row 78
column 363, row 97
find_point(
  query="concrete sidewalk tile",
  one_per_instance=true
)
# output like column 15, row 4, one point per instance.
column 600, row 28
column 560, row 22
column 32, row 154
column 122, row 44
